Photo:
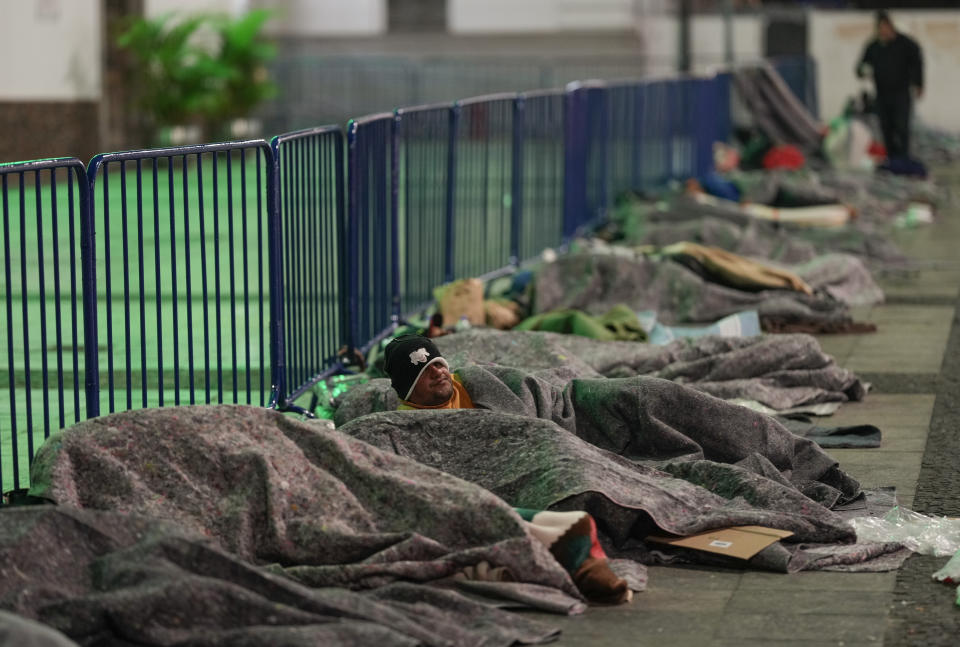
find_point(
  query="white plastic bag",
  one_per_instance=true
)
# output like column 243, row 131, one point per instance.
column 925, row 535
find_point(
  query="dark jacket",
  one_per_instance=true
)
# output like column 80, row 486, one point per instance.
column 897, row 65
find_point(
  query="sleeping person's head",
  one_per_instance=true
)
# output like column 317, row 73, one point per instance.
column 418, row 372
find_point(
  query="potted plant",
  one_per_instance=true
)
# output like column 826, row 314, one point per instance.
column 195, row 75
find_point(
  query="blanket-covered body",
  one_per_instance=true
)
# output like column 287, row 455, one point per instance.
column 781, row 372
column 596, row 282
column 195, row 522
column 637, row 453
column 685, row 219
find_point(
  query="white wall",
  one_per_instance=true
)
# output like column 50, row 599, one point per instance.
column 529, row 16
column 157, row 7
column 327, row 17
column 660, row 35
column 837, row 39
column 50, row 49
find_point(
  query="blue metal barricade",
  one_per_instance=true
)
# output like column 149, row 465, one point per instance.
column 625, row 116
column 423, row 171
column 183, row 264
column 721, row 96
column 483, row 185
column 310, row 199
column 655, row 137
column 539, row 168
column 586, row 158
column 50, row 340
column 637, row 136
column 372, row 235
column 694, row 131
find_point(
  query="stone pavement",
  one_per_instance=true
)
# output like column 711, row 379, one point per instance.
column 914, row 363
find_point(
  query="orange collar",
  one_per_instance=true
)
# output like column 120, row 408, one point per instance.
column 459, row 400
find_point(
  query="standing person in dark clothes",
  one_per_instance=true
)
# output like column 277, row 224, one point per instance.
column 897, row 64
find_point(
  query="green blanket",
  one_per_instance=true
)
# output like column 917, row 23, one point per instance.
column 620, row 323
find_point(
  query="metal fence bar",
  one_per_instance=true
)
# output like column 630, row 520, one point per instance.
column 598, row 189
column 372, row 258
column 483, row 180
column 310, row 179
column 539, row 172
column 182, row 195
column 425, row 188
column 50, row 339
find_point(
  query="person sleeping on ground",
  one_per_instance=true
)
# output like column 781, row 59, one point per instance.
column 641, row 455
column 422, row 378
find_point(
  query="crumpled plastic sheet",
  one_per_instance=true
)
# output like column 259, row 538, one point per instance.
column 926, row 535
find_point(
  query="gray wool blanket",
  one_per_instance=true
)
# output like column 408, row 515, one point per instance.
column 781, row 372
column 640, row 454
column 232, row 525
column 729, row 228
column 597, row 281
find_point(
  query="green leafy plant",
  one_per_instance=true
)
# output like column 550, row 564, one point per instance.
column 204, row 69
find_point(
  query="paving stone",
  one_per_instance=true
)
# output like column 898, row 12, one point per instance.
column 892, row 409
column 633, row 624
column 776, row 626
column 881, row 469
column 938, row 282
column 817, row 581
column 816, row 602
column 763, row 642
column 683, row 577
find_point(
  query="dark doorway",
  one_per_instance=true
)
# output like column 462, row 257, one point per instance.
column 417, row 15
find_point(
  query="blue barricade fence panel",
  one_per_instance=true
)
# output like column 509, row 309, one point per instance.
column 310, row 188
column 539, row 194
column 374, row 277
column 183, row 274
column 483, row 185
column 45, row 342
column 424, row 202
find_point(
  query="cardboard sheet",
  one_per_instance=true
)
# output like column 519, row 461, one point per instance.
column 742, row 542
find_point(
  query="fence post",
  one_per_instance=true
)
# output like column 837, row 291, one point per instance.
column 88, row 289
column 707, row 96
column 639, row 110
column 451, row 191
column 574, row 167
column 723, row 123
column 516, row 179
column 346, row 295
column 598, row 111
column 351, row 251
column 395, row 219
column 275, row 265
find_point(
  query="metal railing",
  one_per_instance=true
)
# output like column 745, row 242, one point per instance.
column 182, row 261
column 539, row 172
column 311, row 277
column 372, row 232
column 484, row 212
column 242, row 272
column 424, row 170
column 50, row 337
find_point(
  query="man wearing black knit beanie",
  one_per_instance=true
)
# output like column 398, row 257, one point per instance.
column 421, row 376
